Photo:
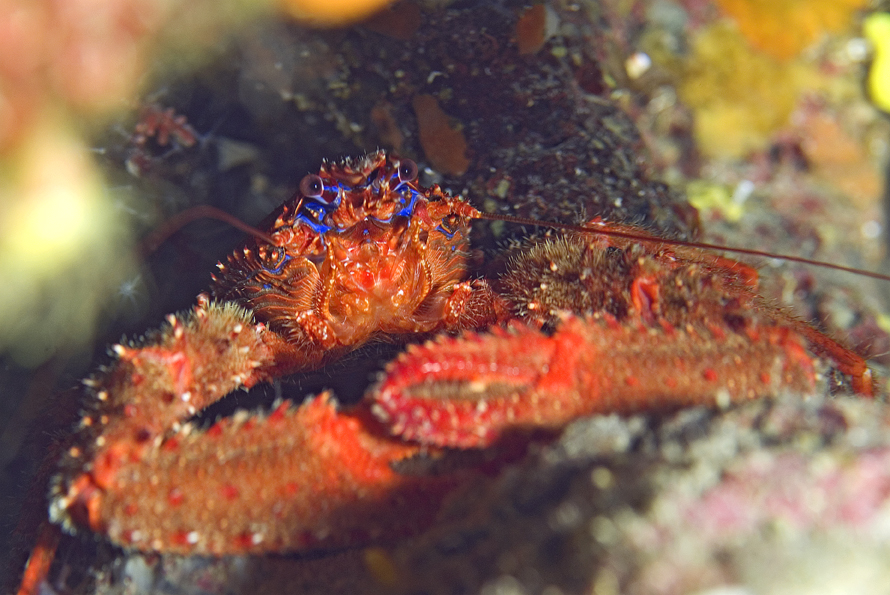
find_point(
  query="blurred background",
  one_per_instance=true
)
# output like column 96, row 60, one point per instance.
column 749, row 122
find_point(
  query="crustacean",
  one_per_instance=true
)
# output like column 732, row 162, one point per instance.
column 581, row 323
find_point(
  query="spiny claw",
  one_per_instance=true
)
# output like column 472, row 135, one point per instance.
column 318, row 478
column 467, row 392
column 459, row 392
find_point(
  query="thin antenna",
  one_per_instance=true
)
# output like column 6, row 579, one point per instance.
column 178, row 221
column 669, row 242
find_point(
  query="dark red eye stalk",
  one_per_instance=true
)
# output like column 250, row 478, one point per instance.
column 312, row 186
column 407, row 171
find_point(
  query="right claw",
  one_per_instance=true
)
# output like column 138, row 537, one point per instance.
column 467, row 392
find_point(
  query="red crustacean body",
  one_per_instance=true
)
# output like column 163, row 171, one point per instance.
column 362, row 252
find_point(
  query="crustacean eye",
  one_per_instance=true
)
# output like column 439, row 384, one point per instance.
column 407, row 171
column 312, row 186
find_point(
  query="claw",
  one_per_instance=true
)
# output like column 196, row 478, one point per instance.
column 318, row 479
column 468, row 392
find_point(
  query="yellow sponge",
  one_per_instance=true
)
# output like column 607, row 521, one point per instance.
column 877, row 29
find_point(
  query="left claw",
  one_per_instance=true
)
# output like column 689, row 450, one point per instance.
column 298, row 478
column 318, row 478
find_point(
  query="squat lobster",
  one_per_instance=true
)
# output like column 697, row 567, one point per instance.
column 596, row 324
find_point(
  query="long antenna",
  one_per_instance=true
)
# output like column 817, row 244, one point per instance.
column 669, row 242
column 178, row 221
